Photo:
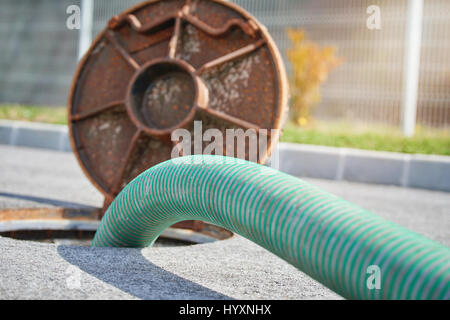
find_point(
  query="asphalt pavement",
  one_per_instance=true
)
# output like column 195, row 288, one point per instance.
column 229, row 269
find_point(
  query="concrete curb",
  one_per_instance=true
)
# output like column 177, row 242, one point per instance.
column 34, row 135
column 414, row 171
column 405, row 170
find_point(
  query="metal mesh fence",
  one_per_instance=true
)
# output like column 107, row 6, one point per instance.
column 434, row 84
column 38, row 53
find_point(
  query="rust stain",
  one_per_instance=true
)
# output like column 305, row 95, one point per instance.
column 50, row 214
column 159, row 66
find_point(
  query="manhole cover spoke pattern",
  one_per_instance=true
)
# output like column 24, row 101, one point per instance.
column 159, row 67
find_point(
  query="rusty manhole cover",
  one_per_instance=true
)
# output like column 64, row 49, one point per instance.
column 77, row 227
column 160, row 66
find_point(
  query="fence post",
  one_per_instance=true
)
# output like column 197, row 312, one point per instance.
column 85, row 35
column 411, row 66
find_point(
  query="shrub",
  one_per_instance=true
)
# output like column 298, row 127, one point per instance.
column 311, row 66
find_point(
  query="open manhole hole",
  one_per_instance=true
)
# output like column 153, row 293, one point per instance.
column 63, row 226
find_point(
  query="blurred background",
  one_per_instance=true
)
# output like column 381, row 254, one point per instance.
column 385, row 87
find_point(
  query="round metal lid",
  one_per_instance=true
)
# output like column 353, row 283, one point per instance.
column 161, row 66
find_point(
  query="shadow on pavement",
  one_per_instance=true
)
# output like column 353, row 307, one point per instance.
column 128, row 270
column 53, row 202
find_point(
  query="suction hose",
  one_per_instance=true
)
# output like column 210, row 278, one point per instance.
column 346, row 248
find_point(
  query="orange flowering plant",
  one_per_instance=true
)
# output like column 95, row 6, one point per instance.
column 311, row 66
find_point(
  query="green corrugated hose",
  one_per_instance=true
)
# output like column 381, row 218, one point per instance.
column 335, row 242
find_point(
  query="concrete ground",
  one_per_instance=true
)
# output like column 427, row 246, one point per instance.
column 230, row 269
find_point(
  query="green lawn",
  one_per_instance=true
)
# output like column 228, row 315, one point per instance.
column 56, row 115
column 373, row 138
column 320, row 133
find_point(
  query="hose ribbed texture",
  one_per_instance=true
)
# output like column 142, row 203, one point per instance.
column 328, row 238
